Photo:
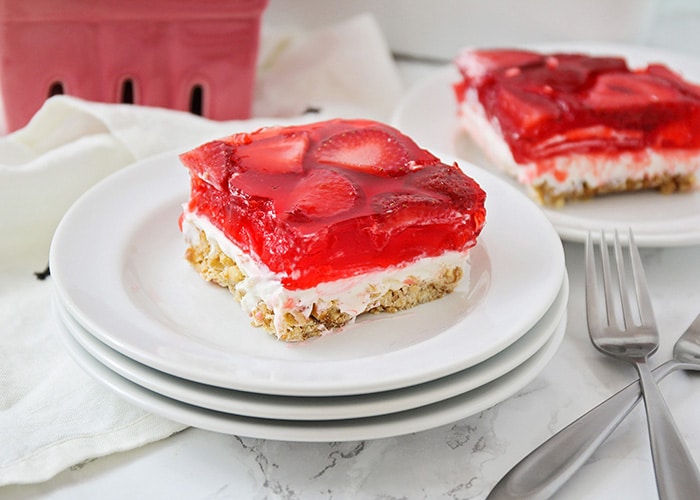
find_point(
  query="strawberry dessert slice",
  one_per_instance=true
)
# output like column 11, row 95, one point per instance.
column 311, row 225
column 572, row 126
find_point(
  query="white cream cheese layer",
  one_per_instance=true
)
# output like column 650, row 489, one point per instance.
column 351, row 295
column 570, row 172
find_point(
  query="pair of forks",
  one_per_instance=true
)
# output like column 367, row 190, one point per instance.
column 633, row 339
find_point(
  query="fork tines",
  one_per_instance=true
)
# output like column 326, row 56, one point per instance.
column 615, row 282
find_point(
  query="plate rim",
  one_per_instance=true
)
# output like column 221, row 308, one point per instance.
column 297, row 408
column 377, row 427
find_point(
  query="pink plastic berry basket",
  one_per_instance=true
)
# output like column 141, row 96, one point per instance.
column 190, row 55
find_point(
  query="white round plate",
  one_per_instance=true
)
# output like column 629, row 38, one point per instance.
column 117, row 263
column 394, row 424
column 321, row 408
column 428, row 113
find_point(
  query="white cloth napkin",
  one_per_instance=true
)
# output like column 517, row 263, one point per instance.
column 52, row 415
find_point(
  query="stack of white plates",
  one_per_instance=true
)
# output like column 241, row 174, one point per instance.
column 139, row 319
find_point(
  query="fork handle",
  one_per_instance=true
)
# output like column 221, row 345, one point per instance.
column 677, row 476
column 547, row 468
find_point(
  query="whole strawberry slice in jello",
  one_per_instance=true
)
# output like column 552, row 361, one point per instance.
column 311, row 225
column 371, row 150
column 322, row 194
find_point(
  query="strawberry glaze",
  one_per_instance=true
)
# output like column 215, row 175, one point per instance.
column 333, row 199
column 552, row 104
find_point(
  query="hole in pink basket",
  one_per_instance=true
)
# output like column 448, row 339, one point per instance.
column 127, row 96
column 56, row 88
column 197, row 100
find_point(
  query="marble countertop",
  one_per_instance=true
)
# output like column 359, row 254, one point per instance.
column 463, row 459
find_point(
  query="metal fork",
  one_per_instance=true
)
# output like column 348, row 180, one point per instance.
column 634, row 340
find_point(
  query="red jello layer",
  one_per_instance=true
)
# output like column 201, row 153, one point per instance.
column 552, row 104
column 333, row 199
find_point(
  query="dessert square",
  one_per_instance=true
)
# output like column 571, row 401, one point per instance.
column 572, row 126
column 310, row 226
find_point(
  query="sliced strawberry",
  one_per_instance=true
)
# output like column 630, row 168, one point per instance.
column 321, row 194
column 583, row 140
column 451, row 181
column 566, row 73
column 276, row 154
column 665, row 73
column 416, row 208
column 369, row 150
column 628, row 90
column 395, row 212
column 526, row 111
column 213, row 162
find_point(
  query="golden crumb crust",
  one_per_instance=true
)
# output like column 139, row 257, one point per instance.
column 665, row 183
column 215, row 266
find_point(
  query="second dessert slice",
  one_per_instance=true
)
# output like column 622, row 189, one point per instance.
column 572, row 126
